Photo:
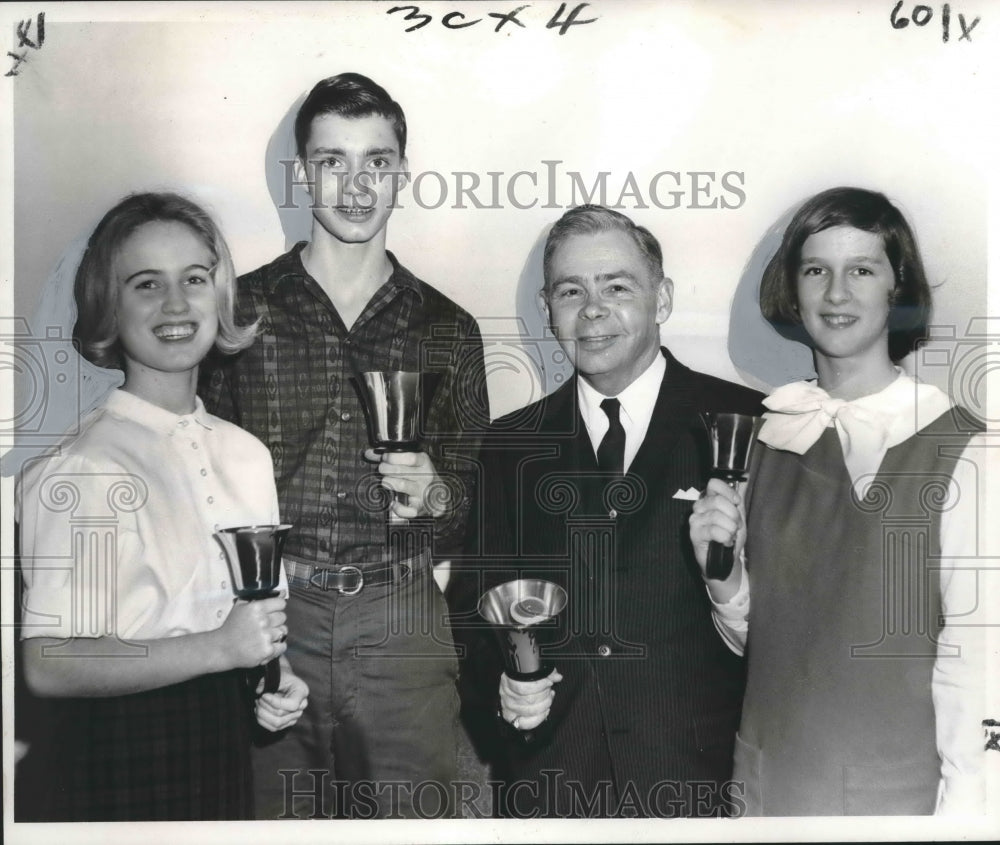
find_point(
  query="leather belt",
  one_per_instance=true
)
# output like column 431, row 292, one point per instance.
column 348, row 580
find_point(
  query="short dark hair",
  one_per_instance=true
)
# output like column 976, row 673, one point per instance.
column 860, row 209
column 349, row 95
column 593, row 219
column 97, row 290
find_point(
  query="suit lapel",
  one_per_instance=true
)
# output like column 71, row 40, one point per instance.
column 564, row 423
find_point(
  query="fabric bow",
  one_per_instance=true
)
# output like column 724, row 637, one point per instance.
column 800, row 412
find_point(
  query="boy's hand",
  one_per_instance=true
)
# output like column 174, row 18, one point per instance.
column 413, row 475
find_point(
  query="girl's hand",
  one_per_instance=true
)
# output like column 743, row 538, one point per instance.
column 718, row 515
column 526, row 704
column 276, row 711
column 253, row 633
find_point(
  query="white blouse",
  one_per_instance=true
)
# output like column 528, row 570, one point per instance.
column 117, row 526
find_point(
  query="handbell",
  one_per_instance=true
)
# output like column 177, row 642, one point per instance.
column 393, row 399
column 731, row 437
column 524, row 617
column 253, row 553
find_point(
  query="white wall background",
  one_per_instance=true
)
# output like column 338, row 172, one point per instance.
column 795, row 96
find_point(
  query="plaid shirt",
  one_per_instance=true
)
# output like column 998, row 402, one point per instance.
column 295, row 389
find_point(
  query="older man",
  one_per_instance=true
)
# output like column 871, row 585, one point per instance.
column 639, row 715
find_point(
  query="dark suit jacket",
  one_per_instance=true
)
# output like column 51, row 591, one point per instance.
column 645, row 718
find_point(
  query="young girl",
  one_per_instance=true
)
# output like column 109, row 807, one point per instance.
column 863, row 697
column 128, row 608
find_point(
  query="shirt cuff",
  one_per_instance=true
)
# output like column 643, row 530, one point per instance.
column 738, row 605
column 50, row 613
column 730, row 618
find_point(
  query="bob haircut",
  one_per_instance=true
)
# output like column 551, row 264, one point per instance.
column 97, row 289
column 349, row 95
column 870, row 212
column 592, row 220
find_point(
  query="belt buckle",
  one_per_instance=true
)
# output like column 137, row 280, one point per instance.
column 321, row 577
column 361, row 581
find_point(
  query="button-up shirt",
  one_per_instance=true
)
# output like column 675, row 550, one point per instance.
column 117, row 527
column 637, row 403
column 296, row 388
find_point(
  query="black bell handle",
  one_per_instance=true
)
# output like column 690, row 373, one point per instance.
column 272, row 675
column 719, row 564
column 720, row 561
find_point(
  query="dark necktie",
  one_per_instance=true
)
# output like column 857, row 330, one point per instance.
column 611, row 452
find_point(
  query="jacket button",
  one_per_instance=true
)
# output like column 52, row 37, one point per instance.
column 612, row 514
column 604, row 650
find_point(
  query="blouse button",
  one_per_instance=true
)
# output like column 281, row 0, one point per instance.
column 194, row 445
column 224, row 584
column 218, row 614
column 211, row 499
column 204, row 471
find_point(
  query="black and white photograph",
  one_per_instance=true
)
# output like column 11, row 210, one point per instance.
column 500, row 421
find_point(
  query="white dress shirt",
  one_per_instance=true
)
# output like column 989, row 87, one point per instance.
column 637, row 403
column 969, row 593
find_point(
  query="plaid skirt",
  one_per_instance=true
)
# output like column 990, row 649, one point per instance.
column 172, row 754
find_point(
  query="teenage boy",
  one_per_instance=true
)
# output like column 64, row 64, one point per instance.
column 367, row 622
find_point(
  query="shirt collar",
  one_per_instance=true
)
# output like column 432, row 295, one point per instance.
column 867, row 427
column 131, row 407
column 290, row 265
column 403, row 278
column 906, row 404
column 637, row 400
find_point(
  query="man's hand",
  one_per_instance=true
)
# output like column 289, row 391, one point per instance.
column 526, row 704
column 278, row 710
column 412, row 474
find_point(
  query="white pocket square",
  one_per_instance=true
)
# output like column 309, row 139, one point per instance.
column 691, row 494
